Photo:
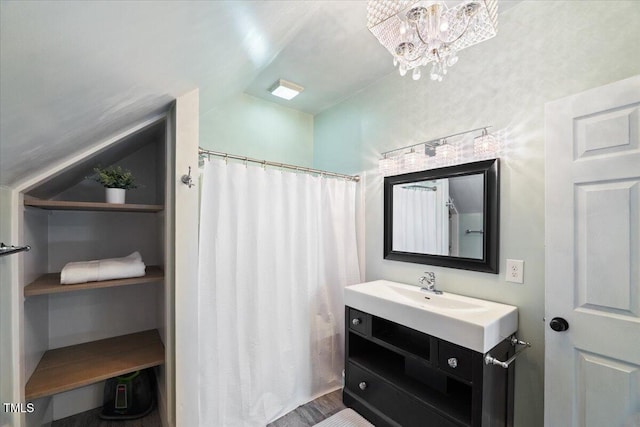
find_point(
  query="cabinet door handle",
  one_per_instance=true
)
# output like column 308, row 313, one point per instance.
column 453, row 362
column 356, row 321
column 362, row 385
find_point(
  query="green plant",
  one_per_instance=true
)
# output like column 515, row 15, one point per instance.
column 115, row 177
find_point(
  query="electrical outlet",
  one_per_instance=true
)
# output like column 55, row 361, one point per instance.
column 515, row 271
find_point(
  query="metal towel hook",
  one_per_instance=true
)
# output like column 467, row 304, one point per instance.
column 187, row 180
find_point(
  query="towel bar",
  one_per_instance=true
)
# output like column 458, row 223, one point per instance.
column 490, row 360
column 8, row 250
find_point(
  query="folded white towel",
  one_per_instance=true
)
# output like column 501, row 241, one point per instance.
column 102, row 269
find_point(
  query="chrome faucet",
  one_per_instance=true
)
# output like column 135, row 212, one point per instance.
column 428, row 283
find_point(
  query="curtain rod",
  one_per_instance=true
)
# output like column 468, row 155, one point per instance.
column 209, row 153
column 435, row 141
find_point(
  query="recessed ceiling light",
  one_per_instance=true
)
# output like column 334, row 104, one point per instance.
column 285, row 89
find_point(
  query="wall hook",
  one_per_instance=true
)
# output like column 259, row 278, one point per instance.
column 187, row 180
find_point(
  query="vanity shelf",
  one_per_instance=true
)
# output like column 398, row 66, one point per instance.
column 63, row 205
column 50, row 283
column 67, row 368
column 397, row 376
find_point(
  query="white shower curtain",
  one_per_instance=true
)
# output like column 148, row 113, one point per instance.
column 276, row 250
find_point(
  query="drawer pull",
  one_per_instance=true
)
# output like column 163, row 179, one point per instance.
column 356, row 321
column 453, row 362
column 362, row 385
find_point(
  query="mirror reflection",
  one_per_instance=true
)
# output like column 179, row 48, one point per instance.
column 447, row 216
column 440, row 217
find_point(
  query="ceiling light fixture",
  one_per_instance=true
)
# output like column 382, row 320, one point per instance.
column 417, row 33
column 285, row 89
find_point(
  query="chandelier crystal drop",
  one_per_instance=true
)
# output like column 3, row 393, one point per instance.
column 417, row 33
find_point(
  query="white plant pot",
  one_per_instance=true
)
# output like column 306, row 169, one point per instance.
column 115, row 195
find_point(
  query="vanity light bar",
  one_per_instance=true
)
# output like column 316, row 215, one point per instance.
column 439, row 152
column 435, row 142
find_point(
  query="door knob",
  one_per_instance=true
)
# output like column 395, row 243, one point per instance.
column 356, row 321
column 558, row 324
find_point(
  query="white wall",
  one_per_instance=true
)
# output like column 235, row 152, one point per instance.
column 142, row 165
column 470, row 244
column 36, row 309
column 544, row 50
column 7, row 351
column 251, row 127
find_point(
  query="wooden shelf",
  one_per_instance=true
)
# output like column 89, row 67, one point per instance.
column 62, row 205
column 50, row 283
column 66, row 368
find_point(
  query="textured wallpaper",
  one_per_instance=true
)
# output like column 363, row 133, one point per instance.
column 544, row 50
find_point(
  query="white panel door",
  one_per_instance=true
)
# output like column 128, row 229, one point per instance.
column 183, row 248
column 592, row 203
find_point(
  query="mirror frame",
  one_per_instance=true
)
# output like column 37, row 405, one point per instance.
column 491, row 212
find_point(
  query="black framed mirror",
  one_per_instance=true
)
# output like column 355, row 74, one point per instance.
column 446, row 217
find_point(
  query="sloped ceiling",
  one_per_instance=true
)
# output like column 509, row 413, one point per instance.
column 75, row 73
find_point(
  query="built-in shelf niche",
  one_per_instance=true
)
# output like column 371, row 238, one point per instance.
column 78, row 335
column 65, row 205
column 50, row 283
column 68, row 368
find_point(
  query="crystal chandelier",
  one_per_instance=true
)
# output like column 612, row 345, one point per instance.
column 417, row 33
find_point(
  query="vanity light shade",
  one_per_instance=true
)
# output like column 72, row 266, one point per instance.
column 486, row 146
column 447, row 154
column 285, row 89
column 388, row 166
column 413, row 161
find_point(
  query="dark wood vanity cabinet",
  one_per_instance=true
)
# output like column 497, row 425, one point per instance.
column 397, row 376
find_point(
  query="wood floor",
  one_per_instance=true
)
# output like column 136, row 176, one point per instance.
column 313, row 412
column 303, row 416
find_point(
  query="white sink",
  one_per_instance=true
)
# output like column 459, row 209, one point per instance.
column 470, row 322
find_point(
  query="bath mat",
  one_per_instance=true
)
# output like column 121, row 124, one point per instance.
column 345, row 418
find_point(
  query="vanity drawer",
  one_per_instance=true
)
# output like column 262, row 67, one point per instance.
column 455, row 360
column 359, row 321
column 391, row 401
column 375, row 391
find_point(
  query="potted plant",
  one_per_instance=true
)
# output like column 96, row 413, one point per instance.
column 116, row 181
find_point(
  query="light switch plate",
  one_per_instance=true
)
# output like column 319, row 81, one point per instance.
column 515, row 270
